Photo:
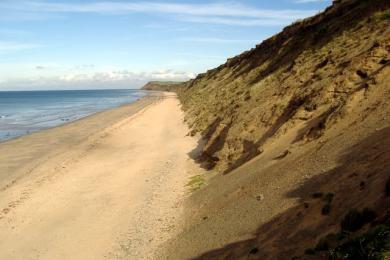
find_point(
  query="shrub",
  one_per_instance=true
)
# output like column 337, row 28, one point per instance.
column 326, row 209
column 322, row 245
column 354, row 219
column 317, row 195
column 386, row 16
column 371, row 245
column 322, row 30
column 328, row 241
column 368, row 215
column 328, row 198
column 310, row 251
column 254, row 251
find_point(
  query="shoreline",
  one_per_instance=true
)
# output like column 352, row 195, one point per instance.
column 102, row 190
column 89, row 124
column 148, row 94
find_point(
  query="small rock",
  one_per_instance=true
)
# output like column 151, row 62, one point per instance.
column 260, row 197
column 282, row 155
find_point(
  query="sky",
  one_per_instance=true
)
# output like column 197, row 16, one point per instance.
column 74, row 44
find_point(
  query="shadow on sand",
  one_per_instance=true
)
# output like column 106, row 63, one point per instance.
column 357, row 182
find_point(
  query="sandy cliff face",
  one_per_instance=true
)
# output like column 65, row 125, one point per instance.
column 296, row 135
column 316, row 71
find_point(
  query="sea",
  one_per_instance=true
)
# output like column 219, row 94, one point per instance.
column 25, row 112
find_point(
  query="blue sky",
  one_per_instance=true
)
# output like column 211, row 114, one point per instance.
column 77, row 44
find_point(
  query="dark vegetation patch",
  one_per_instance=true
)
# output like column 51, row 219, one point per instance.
column 374, row 244
column 254, row 251
column 328, row 242
column 345, row 244
column 326, row 209
column 317, row 195
column 386, row 16
column 355, row 219
column 327, row 198
column 348, row 244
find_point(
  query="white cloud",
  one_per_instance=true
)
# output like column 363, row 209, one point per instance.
column 96, row 80
column 211, row 13
column 125, row 75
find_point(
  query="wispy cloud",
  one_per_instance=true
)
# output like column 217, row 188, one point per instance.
column 229, row 9
column 6, row 47
column 227, row 13
column 216, row 40
column 235, row 21
column 310, row 1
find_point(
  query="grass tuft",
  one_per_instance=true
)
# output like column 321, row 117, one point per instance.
column 196, row 182
column 386, row 16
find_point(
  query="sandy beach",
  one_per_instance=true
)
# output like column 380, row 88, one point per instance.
column 110, row 186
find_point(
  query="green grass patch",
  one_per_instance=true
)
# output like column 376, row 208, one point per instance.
column 196, row 182
column 386, row 16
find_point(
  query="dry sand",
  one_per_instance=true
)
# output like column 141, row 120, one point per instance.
column 110, row 186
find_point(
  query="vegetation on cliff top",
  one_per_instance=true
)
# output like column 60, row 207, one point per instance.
column 171, row 86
